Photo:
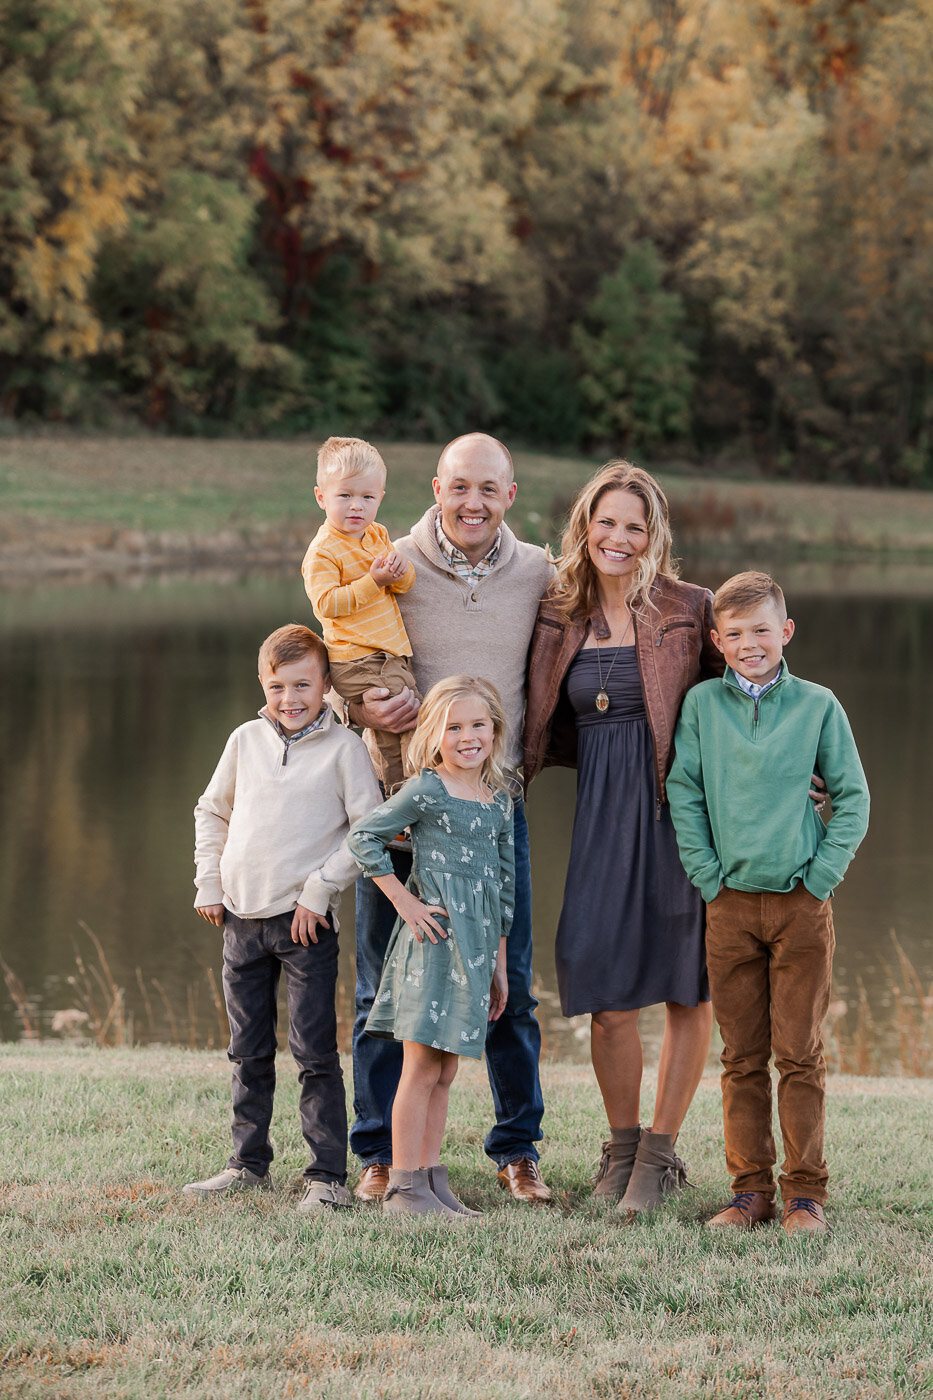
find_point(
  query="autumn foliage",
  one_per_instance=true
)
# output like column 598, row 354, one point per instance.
column 691, row 224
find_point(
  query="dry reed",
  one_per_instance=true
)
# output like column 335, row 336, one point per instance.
column 856, row 1040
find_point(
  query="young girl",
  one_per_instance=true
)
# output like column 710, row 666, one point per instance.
column 436, row 996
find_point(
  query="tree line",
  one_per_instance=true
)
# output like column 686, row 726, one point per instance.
column 700, row 226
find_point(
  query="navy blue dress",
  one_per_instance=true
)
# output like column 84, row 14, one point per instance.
column 631, row 930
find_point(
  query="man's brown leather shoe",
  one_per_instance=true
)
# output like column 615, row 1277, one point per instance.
column 803, row 1214
column 745, row 1210
column 523, row 1181
column 373, row 1182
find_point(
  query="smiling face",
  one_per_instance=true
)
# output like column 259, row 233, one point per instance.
column 753, row 642
column 617, row 535
column 294, row 692
column 350, row 502
column 468, row 736
column 474, row 489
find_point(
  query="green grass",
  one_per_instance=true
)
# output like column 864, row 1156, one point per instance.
column 65, row 495
column 117, row 1286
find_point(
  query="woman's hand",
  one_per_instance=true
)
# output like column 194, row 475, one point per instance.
column 817, row 792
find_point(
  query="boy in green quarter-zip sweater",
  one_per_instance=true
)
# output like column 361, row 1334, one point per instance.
column 766, row 865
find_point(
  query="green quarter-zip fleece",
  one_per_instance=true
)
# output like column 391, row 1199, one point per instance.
column 738, row 788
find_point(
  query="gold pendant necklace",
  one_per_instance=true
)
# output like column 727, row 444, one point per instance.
column 602, row 699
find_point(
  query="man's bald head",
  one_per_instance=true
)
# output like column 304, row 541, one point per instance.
column 474, row 487
column 478, row 448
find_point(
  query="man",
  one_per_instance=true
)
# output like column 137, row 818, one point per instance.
column 472, row 609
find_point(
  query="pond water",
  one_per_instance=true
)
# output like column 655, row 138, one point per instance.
column 115, row 702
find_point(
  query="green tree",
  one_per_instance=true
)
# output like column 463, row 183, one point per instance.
column 636, row 379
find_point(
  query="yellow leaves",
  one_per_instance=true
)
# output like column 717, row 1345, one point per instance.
column 56, row 270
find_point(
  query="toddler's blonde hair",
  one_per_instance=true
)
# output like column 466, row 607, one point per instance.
column 339, row 457
column 424, row 751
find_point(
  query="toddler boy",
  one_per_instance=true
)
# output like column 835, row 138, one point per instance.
column 351, row 574
column 766, row 865
column 271, row 860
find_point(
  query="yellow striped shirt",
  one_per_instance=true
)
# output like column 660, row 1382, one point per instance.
column 358, row 616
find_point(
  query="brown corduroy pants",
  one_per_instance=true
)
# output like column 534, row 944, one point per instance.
column 350, row 679
column 769, row 958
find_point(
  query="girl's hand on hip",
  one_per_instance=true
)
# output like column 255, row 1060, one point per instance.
column 419, row 918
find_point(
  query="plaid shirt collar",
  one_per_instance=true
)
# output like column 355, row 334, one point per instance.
column 457, row 561
column 286, row 736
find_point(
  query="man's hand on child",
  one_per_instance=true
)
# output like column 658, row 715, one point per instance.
column 380, row 710
column 213, row 913
column 304, row 924
column 418, row 916
column 387, row 569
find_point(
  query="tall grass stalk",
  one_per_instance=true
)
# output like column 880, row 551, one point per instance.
column 856, row 1042
column 117, row 1286
column 906, row 1043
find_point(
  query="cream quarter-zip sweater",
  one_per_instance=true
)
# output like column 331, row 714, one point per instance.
column 270, row 827
column 477, row 629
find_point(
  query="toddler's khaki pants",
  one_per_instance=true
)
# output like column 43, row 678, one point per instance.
column 350, row 679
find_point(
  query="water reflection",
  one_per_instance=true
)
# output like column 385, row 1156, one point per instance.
column 115, row 703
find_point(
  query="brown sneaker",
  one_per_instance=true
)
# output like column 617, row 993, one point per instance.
column 523, row 1182
column 746, row 1210
column 803, row 1214
column 373, row 1182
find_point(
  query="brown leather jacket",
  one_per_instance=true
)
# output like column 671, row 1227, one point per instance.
column 673, row 648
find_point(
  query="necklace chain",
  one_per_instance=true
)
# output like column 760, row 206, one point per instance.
column 602, row 699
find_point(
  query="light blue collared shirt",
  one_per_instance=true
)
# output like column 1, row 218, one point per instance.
column 754, row 690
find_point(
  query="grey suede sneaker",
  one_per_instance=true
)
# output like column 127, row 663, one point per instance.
column 229, row 1180
column 324, row 1195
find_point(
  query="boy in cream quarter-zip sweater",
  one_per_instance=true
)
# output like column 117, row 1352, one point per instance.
column 758, row 851
column 271, row 859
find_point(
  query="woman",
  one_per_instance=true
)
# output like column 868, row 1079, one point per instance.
column 618, row 642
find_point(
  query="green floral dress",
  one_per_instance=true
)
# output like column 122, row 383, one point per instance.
column 464, row 860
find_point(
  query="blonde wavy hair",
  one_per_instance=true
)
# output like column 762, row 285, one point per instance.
column 575, row 585
column 424, row 751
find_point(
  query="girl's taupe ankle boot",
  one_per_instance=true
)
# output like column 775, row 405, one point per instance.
column 439, row 1182
column 409, row 1193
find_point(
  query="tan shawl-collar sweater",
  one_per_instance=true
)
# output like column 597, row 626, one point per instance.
column 476, row 629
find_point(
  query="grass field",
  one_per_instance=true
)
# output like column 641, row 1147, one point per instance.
column 116, row 1286
column 153, row 501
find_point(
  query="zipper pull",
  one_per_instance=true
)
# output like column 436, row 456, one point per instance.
column 660, row 636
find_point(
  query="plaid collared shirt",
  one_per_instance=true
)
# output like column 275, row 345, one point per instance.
column 288, row 738
column 457, row 560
